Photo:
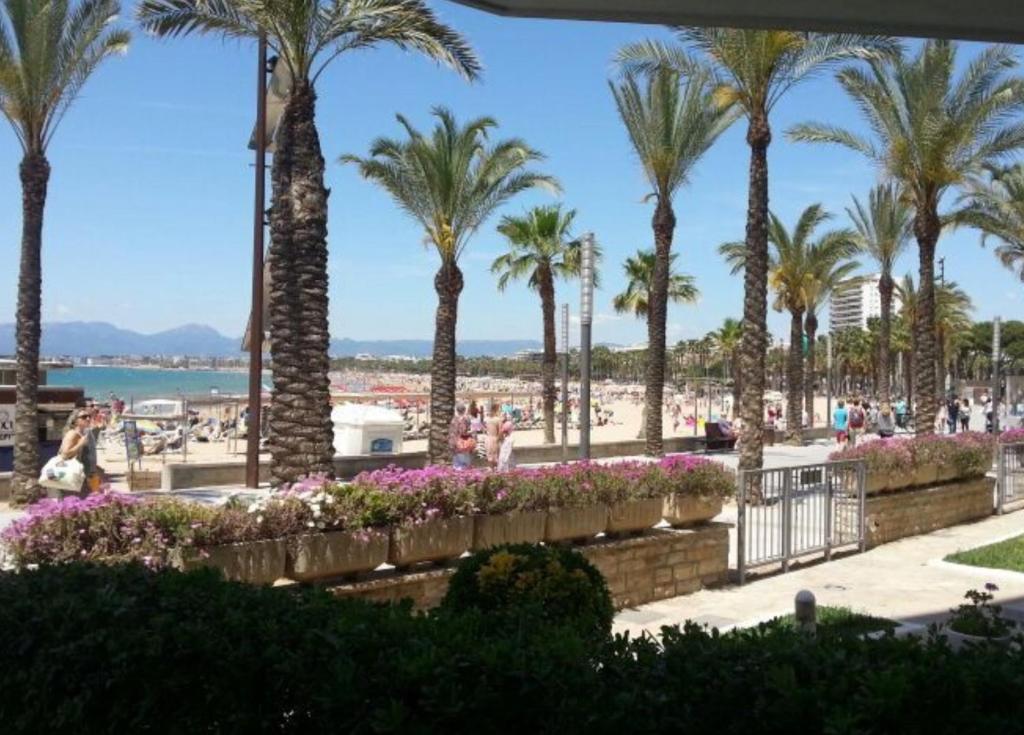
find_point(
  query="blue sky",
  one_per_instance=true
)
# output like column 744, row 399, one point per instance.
column 148, row 224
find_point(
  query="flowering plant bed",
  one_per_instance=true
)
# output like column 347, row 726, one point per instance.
column 894, row 464
column 402, row 505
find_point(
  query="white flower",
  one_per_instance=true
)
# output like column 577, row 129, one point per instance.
column 259, row 519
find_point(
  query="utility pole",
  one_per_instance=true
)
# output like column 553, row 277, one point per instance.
column 828, row 380
column 254, row 422
column 586, row 319
column 996, row 345
column 565, row 382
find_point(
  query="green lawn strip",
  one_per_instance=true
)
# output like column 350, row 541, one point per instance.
column 1008, row 554
column 839, row 620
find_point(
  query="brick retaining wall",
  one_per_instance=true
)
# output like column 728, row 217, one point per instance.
column 660, row 564
column 892, row 516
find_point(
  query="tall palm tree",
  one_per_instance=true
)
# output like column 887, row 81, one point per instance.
column 754, row 69
column 726, row 340
column 449, row 181
column 794, row 265
column 670, row 125
column 828, row 275
column 910, row 309
column 48, row 51
column 952, row 323
column 541, row 249
column 996, row 207
column 932, row 130
column 306, row 35
column 884, row 226
column 639, row 270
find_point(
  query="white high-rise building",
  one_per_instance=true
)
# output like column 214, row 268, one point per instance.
column 855, row 301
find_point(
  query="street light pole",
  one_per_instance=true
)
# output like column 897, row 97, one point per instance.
column 828, row 380
column 996, row 345
column 252, row 444
column 586, row 318
column 565, row 382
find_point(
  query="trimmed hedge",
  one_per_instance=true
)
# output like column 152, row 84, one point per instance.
column 122, row 649
column 522, row 585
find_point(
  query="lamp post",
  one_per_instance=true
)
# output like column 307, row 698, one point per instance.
column 996, row 344
column 586, row 319
column 252, row 444
column 828, row 381
column 565, row 382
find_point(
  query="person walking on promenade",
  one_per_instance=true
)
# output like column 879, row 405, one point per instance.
column 886, row 422
column 856, row 422
column 952, row 413
column 460, row 439
column 965, row 416
column 840, row 422
column 492, row 442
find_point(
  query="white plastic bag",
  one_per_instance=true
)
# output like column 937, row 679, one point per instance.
column 62, row 474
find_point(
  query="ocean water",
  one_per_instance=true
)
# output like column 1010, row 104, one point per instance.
column 141, row 383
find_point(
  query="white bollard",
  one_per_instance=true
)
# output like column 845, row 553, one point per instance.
column 806, row 613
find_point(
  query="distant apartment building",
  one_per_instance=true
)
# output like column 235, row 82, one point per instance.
column 856, row 300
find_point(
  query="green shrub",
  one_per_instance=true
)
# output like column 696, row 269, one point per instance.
column 521, row 585
column 122, row 649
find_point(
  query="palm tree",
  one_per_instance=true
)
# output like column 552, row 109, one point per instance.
column 952, row 323
column 996, row 207
column 726, row 340
column 450, row 182
column 910, row 309
column 754, row 69
column 306, row 35
column 794, row 268
column 828, row 275
column 541, row 250
column 639, row 270
column 47, row 53
column 670, row 125
column 931, row 132
column 884, row 227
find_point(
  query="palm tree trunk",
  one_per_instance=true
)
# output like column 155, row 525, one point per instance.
column 448, row 284
column 885, row 289
column 926, row 230
column 755, row 297
column 908, row 377
column 664, row 225
column 940, row 366
column 795, row 379
column 737, row 382
column 301, row 436
column 549, row 363
column 811, row 329
column 35, row 175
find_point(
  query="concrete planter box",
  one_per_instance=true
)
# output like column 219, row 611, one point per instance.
column 963, row 640
column 508, row 528
column 336, row 553
column 437, row 540
column 256, row 562
column 635, row 515
column 572, row 524
column 946, row 473
column 688, row 510
column 926, row 475
column 875, row 483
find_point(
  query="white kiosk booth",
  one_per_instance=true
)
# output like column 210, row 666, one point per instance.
column 360, row 430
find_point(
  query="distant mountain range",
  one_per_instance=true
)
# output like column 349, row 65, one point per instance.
column 92, row 339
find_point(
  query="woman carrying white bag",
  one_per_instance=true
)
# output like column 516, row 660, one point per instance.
column 65, row 473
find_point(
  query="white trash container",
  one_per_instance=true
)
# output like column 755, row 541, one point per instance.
column 360, row 430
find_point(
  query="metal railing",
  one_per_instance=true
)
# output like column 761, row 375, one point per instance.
column 788, row 512
column 1009, row 477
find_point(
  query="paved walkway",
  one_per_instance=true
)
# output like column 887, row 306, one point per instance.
column 905, row 580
